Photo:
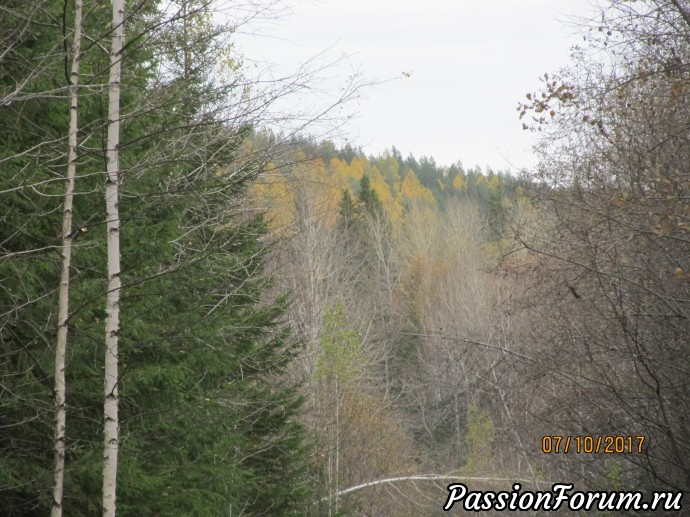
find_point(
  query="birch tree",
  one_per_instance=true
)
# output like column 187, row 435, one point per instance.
column 202, row 344
column 112, row 326
column 67, row 240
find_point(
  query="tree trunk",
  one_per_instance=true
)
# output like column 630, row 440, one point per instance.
column 63, row 297
column 112, row 324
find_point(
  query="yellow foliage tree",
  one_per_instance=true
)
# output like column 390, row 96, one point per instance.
column 494, row 182
column 412, row 190
column 339, row 171
column 317, row 187
column 390, row 169
column 357, row 168
column 459, row 182
column 273, row 194
column 480, row 440
column 380, row 186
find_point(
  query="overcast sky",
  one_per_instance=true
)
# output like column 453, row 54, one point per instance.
column 469, row 63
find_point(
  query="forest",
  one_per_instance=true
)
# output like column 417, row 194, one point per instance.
column 203, row 314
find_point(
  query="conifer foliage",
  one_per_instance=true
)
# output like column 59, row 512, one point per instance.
column 206, row 421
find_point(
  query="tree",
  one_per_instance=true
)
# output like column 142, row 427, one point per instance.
column 413, row 191
column 613, row 243
column 356, row 431
column 202, row 346
column 112, row 304
column 201, row 391
column 371, row 204
column 348, row 211
column 37, row 118
column 66, row 251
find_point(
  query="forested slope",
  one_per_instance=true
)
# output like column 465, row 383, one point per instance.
column 396, row 286
column 305, row 329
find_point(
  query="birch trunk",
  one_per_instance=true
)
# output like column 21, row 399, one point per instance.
column 112, row 324
column 63, row 297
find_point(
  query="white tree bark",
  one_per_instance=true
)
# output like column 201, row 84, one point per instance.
column 112, row 324
column 63, row 297
column 437, row 477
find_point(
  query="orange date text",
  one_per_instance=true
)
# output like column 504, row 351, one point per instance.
column 592, row 444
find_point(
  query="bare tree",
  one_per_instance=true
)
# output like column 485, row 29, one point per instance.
column 112, row 326
column 67, row 240
column 613, row 241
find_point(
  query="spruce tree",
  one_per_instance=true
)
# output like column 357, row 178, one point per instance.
column 206, row 423
column 371, row 204
column 349, row 212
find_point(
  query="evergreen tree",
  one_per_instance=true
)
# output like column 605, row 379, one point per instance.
column 349, row 211
column 369, row 199
column 34, row 119
column 428, row 172
column 205, row 421
column 398, row 157
column 348, row 153
column 411, row 163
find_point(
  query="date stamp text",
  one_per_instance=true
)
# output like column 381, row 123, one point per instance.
column 591, row 444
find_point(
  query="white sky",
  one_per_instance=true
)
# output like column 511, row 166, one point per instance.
column 470, row 62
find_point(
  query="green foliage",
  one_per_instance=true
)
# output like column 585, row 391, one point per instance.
column 341, row 357
column 349, row 212
column 614, row 475
column 368, row 198
column 479, row 439
column 206, row 421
